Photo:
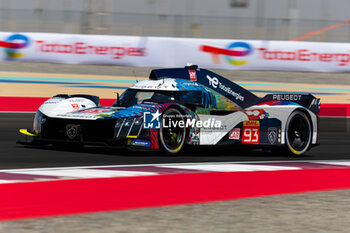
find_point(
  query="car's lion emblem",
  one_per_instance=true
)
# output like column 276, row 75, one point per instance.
column 272, row 134
column 71, row 131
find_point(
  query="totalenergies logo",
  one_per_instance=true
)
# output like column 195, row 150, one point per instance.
column 12, row 45
column 233, row 50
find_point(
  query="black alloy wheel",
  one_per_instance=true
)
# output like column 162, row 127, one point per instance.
column 298, row 133
column 172, row 134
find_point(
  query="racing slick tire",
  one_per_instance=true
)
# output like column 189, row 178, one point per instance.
column 298, row 133
column 171, row 137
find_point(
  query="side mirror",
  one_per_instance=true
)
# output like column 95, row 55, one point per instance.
column 118, row 100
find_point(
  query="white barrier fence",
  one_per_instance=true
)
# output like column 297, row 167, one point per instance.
column 175, row 52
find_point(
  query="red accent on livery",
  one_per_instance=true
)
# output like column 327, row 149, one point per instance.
column 256, row 114
column 154, row 138
column 235, row 134
column 193, row 75
column 94, row 110
column 75, row 106
column 251, row 132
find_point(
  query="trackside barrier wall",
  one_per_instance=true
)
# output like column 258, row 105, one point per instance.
column 175, row 52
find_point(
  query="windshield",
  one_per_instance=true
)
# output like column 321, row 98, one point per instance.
column 132, row 97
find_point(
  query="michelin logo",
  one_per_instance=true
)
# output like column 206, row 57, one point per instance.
column 214, row 82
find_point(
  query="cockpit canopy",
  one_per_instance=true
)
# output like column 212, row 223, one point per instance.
column 137, row 96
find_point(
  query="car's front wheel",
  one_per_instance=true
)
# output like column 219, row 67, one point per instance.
column 298, row 133
column 172, row 133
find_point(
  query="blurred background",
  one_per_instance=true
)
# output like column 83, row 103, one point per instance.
column 228, row 19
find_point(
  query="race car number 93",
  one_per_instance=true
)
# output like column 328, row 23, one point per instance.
column 251, row 132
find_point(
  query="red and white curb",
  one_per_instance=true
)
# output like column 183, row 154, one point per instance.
column 43, row 192
column 88, row 172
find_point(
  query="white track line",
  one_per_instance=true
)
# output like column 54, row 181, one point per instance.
column 231, row 167
column 85, row 173
column 172, row 164
column 8, row 181
column 344, row 163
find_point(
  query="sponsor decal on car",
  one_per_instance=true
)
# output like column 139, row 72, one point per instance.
column 251, row 123
column 235, row 134
column 214, row 82
column 286, row 97
column 193, row 76
column 75, row 106
column 52, row 101
column 251, row 132
column 140, row 143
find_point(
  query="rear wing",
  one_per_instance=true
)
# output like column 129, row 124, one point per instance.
column 306, row 100
column 223, row 86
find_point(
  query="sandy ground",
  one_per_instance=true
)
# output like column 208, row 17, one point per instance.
column 331, row 88
column 238, row 75
column 309, row 212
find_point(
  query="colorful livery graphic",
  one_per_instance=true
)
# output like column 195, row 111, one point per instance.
column 177, row 107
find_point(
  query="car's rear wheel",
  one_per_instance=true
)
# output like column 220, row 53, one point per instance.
column 171, row 134
column 298, row 133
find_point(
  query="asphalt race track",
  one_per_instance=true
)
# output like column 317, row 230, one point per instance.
column 334, row 145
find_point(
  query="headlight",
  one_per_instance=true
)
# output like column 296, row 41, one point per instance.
column 128, row 122
column 118, row 123
column 127, row 126
column 39, row 119
column 136, row 126
column 118, row 126
column 138, row 121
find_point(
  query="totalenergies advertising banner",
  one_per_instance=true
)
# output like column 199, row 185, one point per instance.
column 175, row 52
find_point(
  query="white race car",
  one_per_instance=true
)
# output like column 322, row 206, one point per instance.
column 178, row 107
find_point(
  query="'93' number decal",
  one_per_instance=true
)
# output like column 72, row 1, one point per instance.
column 250, row 136
column 251, row 132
